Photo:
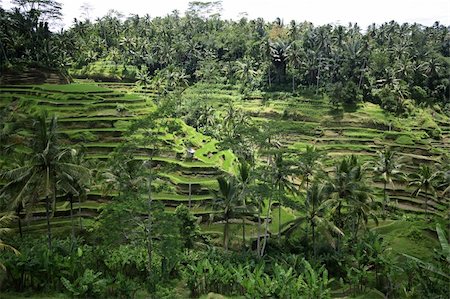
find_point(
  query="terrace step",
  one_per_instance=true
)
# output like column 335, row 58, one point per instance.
column 33, row 76
column 409, row 208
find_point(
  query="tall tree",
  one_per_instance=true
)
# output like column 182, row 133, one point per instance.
column 317, row 209
column 309, row 163
column 283, row 182
column 388, row 168
column 47, row 164
column 75, row 185
column 424, row 181
column 227, row 200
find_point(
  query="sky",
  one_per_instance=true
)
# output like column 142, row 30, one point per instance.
column 318, row 12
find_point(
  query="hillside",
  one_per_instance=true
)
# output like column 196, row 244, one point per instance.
column 97, row 117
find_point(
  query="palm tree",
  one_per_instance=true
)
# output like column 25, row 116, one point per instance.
column 282, row 172
column 424, row 180
column 245, row 72
column 278, row 53
column 317, row 210
column 348, row 189
column 40, row 174
column 343, row 183
column 294, row 56
column 387, row 167
column 76, row 185
column 244, row 178
column 4, row 221
column 361, row 206
column 309, row 162
column 227, row 200
column 16, row 195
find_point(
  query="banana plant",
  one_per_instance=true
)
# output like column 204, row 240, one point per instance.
column 314, row 283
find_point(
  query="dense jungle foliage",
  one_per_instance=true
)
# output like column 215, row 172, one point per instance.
column 197, row 157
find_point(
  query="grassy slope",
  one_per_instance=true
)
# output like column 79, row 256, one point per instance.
column 86, row 114
column 95, row 125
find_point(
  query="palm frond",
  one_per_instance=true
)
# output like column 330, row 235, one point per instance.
column 444, row 242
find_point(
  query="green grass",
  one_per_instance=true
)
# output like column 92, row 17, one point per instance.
column 92, row 130
column 179, row 179
column 180, row 197
column 72, row 88
column 93, row 118
column 408, row 237
column 286, row 215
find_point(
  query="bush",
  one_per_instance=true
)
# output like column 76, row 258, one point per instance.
column 404, row 140
column 128, row 260
column 253, row 279
column 347, row 94
column 88, row 285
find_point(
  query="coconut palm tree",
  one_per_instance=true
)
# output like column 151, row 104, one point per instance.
column 317, row 210
column 12, row 193
column 424, row 180
column 244, row 173
column 227, row 201
column 388, row 168
column 347, row 188
column 282, row 171
column 76, row 185
column 342, row 184
column 309, row 163
column 294, row 56
column 278, row 54
column 361, row 207
column 246, row 72
column 39, row 176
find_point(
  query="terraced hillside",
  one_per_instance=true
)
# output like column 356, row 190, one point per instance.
column 301, row 120
column 98, row 115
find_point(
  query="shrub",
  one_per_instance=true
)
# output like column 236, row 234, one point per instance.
column 88, row 285
column 404, row 140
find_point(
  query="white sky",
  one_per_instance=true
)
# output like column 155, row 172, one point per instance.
column 317, row 11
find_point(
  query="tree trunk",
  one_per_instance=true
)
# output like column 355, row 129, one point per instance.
column 190, row 194
column 293, row 83
column 318, row 79
column 384, row 199
column 225, row 233
column 258, row 241
column 149, row 224
column 279, row 219
column 361, row 75
column 313, row 228
column 338, row 243
column 266, row 229
column 279, row 213
column 49, row 232
column 19, row 222
column 79, row 212
column 270, row 79
column 71, row 219
column 243, row 232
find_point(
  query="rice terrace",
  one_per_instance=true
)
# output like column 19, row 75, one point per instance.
column 197, row 156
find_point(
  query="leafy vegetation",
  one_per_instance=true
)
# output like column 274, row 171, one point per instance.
column 250, row 159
